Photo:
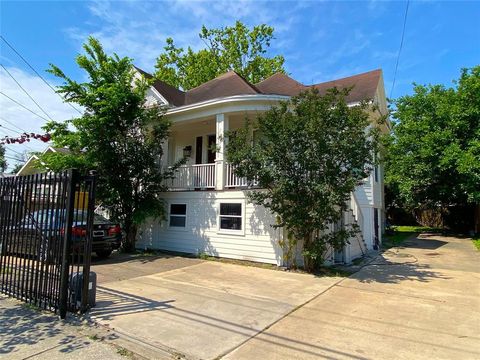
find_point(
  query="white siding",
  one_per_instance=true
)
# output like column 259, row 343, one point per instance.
column 257, row 241
column 353, row 250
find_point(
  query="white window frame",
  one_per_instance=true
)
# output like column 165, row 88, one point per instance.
column 242, row 217
column 177, row 228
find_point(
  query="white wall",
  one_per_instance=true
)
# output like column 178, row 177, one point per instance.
column 257, row 241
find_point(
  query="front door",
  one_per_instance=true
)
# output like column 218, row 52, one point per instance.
column 375, row 227
column 211, row 154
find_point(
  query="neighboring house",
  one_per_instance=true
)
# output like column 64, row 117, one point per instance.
column 29, row 167
column 208, row 211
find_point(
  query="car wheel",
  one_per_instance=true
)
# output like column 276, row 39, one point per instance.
column 103, row 254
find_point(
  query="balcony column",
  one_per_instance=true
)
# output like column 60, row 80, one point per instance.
column 164, row 159
column 221, row 130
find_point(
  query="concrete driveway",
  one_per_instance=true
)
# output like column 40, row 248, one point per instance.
column 193, row 308
column 421, row 301
column 417, row 302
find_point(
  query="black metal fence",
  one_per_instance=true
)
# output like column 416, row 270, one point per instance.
column 46, row 223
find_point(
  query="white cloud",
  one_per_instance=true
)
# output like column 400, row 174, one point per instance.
column 139, row 30
column 11, row 113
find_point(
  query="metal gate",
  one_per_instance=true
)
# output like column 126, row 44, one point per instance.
column 46, row 223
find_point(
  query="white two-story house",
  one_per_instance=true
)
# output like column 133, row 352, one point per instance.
column 208, row 210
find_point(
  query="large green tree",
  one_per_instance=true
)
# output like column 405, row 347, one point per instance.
column 3, row 160
column 235, row 48
column 307, row 155
column 116, row 135
column 433, row 158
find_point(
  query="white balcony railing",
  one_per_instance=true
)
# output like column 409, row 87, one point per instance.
column 190, row 177
column 202, row 176
column 232, row 180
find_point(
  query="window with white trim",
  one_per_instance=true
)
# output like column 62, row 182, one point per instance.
column 231, row 216
column 178, row 215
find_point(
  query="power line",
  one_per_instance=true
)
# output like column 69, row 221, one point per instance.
column 10, row 129
column 15, row 151
column 36, row 72
column 25, row 91
column 16, row 102
column 11, row 123
column 400, row 49
column 13, row 158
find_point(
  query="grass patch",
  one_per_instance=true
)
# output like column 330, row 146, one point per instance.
column 124, row 352
column 403, row 232
column 331, row 271
column 476, row 242
column 357, row 261
column 31, row 307
column 416, row 229
column 94, row 337
column 147, row 252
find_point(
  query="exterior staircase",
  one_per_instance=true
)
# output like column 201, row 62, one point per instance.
column 354, row 216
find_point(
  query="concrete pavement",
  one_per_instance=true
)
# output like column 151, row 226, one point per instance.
column 203, row 310
column 26, row 333
column 421, row 301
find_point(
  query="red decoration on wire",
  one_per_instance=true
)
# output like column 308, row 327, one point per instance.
column 25, row 137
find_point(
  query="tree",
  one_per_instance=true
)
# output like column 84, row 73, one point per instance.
column 3, row 161
column 117, row 136
column 433, row 158
column 230, row 48
column 16, row 168
column 307, row 156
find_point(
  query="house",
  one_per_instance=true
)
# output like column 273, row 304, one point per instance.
column 208, row 212
column 29, row 167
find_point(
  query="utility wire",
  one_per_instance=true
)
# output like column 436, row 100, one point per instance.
column 25, row 91
column 10, row 129
column 11, row 123
column 15, row 151
column 13, row 158
column 400, row 49
column 23, row 106
column 36, row 72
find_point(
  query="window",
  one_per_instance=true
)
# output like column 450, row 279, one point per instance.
column 178, row 215
column 230, row 216
column 376, row 170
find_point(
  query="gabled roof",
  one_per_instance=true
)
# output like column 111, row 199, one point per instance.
column 173, row 95
column 364, row 85
column 230, row 84
column 280, row 84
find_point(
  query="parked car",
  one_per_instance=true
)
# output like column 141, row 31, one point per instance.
column 39, row 234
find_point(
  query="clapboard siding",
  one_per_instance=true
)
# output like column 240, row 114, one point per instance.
column 364, row 192
column 354, row 250
column 258, row 240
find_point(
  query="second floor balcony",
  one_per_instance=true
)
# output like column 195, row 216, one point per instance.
column 205, row 177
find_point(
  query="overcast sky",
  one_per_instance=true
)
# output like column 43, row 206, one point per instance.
column 321, row 40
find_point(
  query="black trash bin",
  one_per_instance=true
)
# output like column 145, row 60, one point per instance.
column 76, row 288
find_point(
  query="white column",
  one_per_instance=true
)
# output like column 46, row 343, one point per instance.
column 221, row 130
column 165, row 147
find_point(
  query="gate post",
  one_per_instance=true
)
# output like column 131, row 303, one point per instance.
column 71, row 187
column 87, row 256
